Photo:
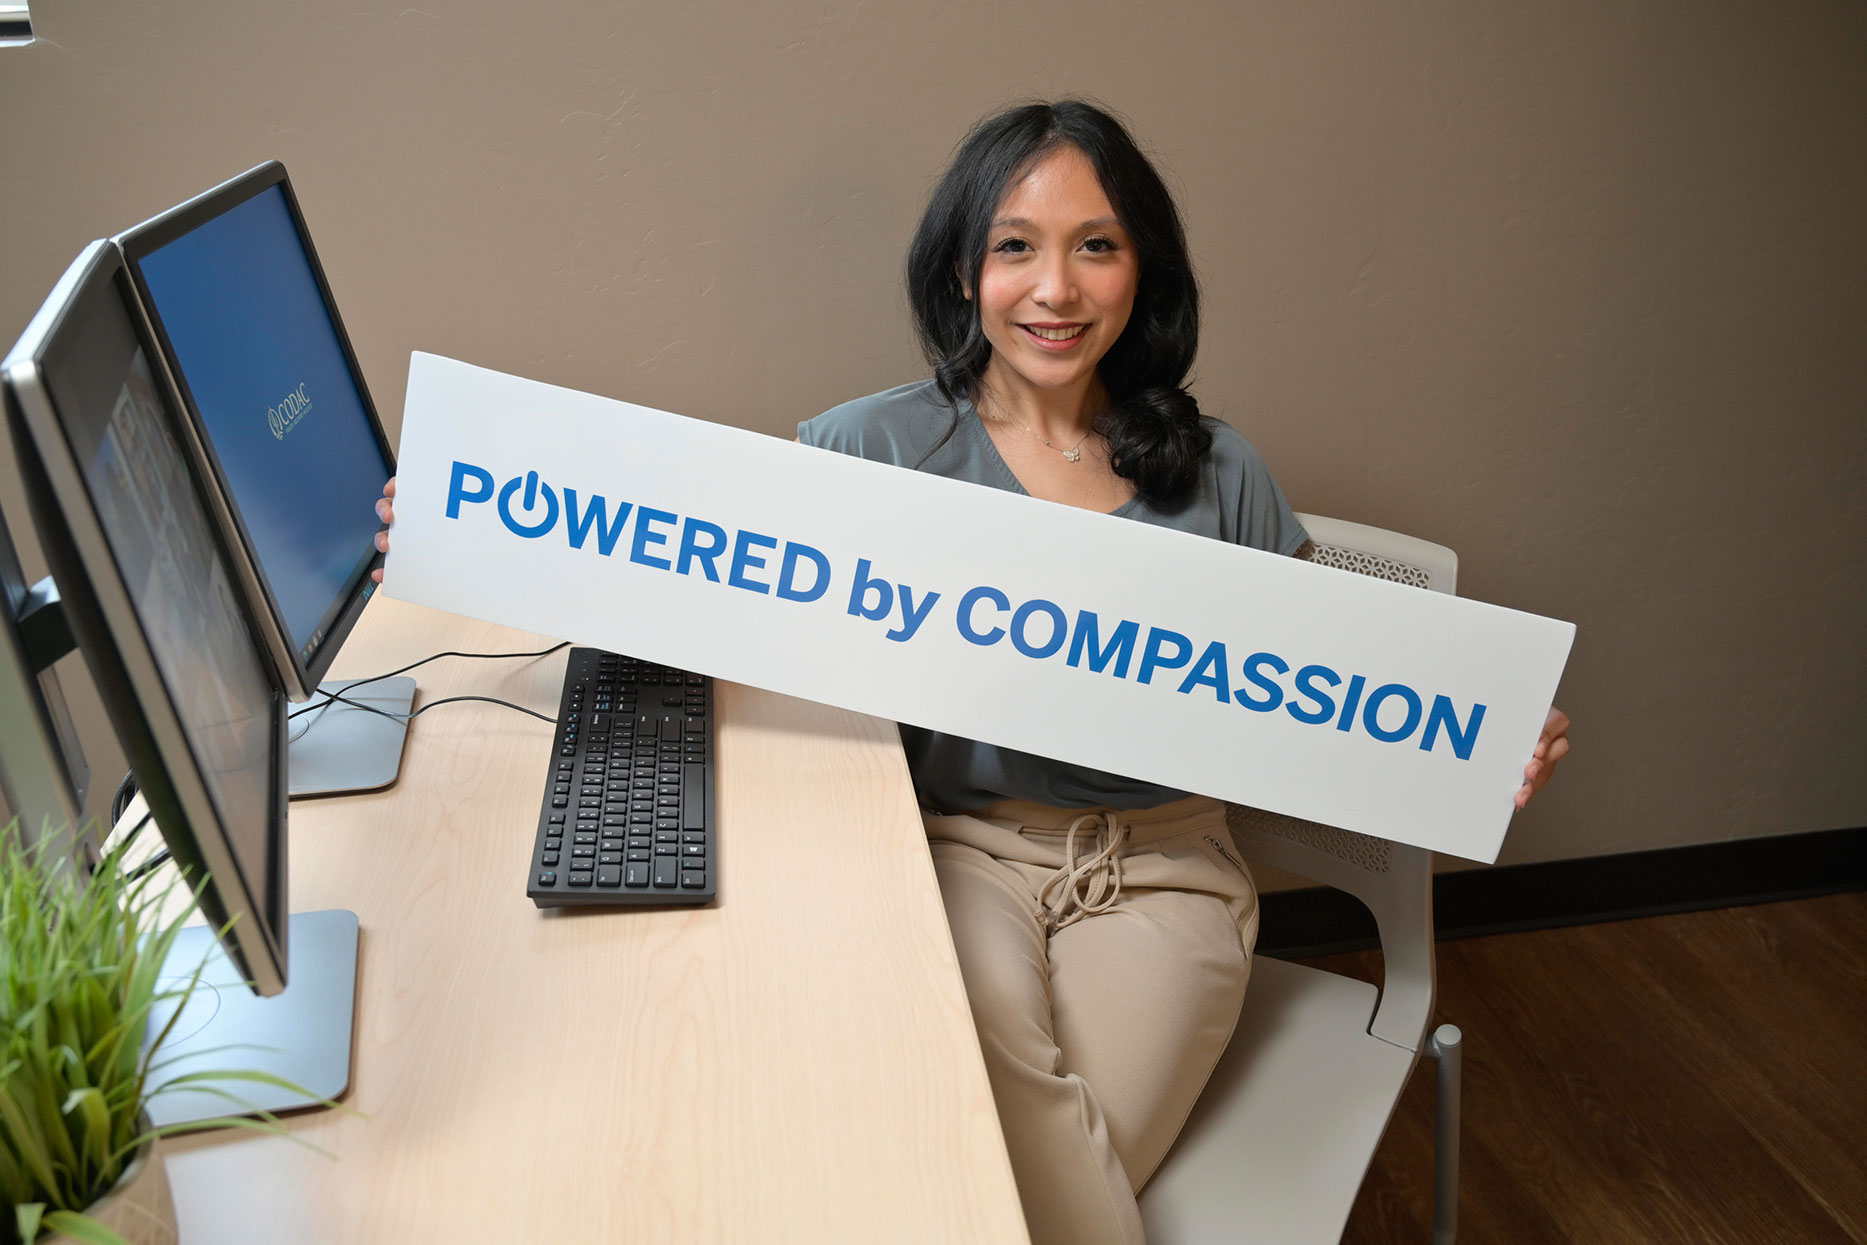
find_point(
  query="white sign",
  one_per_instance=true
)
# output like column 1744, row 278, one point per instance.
column 1100, row 641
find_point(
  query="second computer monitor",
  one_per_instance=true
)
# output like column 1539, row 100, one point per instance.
column 147, row 591
column 281, row 418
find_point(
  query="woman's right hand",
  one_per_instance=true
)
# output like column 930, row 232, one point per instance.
column 385, row 510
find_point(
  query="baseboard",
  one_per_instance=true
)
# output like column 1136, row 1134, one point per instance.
column 1319, row 920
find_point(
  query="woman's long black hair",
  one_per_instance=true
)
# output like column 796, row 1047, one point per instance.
column 1152, row 427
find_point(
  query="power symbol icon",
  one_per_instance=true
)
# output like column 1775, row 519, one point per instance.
column 533, row 487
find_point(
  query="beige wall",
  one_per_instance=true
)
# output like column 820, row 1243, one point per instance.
column 1578, row 289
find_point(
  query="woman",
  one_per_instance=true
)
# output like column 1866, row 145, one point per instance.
column 1104, row 924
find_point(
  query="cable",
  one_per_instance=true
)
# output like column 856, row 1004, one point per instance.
column 544, row 652
column 445, row 700
column 134, row 831
column 120, row 804
column 160, row 858
column 126, row 791
column 333, row 698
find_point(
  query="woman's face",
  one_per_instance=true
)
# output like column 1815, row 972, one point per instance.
column 1059, row 278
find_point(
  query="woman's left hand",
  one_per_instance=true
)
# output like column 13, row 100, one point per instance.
column 1551, row 748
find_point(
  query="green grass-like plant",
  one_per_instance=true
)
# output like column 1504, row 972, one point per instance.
column 79, row 976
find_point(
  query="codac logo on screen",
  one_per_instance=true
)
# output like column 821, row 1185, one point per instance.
column 291, row 408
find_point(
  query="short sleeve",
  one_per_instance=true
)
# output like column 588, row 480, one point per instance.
column 893, row 426
column 1259, row 515
column 826, row 432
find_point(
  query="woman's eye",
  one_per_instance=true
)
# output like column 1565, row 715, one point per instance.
column 1012, row 246
column 1100, row 246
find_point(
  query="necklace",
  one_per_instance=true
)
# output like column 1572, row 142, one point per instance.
column 1073, row 454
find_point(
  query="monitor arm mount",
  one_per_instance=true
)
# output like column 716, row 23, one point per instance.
column 44, row 633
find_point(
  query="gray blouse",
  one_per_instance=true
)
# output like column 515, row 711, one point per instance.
column 1236, row 500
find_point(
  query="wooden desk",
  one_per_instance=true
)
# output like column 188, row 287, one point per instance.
column 795, row 1062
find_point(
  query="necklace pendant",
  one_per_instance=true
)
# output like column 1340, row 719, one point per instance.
column 1074, row 455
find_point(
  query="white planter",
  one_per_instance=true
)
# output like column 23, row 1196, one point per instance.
column 139, row 1209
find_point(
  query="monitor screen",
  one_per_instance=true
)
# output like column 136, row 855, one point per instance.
column 257, row 349
column 148, row 591
column 177, row 580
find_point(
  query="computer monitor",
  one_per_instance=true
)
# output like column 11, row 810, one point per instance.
column 277, row 409
column 280, row 422
column 147, row 592
column 44, row 777
column 145, row 584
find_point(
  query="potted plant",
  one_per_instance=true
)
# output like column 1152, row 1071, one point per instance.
column 80, row 969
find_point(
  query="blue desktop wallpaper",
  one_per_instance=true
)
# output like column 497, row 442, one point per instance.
column 250, row 331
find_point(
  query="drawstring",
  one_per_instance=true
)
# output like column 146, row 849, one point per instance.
column 1099, row 871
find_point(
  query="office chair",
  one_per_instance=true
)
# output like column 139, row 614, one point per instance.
column 1281, row 1138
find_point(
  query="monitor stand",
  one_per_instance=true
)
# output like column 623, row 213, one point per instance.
column 344, row 749
column 301, row 1034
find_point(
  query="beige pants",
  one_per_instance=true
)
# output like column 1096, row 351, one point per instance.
column 1105, row 969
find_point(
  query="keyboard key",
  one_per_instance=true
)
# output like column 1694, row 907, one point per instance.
column 665, row 871
column 580, row 879
column 694, row 849
column 694, row 879
column 547, row 878
column 635, row 875
column 549, row 858
column 609, row 876
column 693, row 798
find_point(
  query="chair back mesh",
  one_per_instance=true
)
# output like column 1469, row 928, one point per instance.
column 1374, row 564
column 1362, row 851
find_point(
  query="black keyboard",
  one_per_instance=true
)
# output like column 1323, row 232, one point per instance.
column 628, row 808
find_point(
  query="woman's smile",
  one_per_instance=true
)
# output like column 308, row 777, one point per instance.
column 1055, row 336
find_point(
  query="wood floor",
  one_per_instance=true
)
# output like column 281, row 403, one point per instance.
column 1690, row 1078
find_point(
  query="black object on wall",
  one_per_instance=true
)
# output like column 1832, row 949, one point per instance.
column 1320, row 920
